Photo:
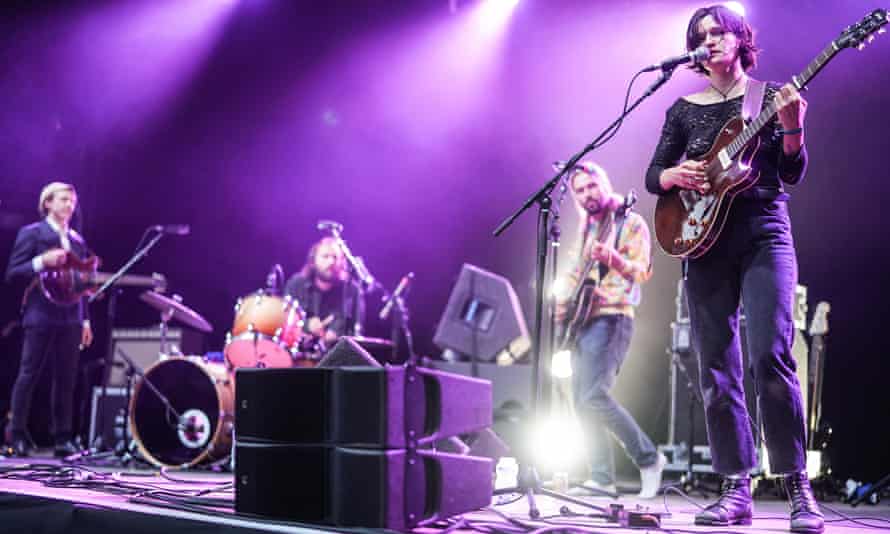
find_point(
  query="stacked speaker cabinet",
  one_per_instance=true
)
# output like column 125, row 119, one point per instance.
column 351, row 445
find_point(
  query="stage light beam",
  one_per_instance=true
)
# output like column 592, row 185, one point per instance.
column 737, row 7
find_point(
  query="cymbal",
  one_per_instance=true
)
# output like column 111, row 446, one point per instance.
column 177, row 310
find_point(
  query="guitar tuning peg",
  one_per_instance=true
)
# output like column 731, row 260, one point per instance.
column 882, row 30
column 861, row 46
column 871, row 38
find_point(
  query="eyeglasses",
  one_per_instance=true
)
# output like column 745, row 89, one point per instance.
column 717, row 33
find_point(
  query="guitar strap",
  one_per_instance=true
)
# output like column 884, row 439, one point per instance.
column 753, row 101
column 620, row 217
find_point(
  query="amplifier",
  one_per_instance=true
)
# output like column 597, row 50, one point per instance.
column 143, row 346
column 107, row 417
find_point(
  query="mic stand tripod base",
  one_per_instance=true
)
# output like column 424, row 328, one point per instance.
column 530, row 484
column 691, row 484
column 598, row 492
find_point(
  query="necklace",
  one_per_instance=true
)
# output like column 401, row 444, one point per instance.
column 728, row 91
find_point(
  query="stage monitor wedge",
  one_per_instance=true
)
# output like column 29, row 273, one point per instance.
column 483, row 318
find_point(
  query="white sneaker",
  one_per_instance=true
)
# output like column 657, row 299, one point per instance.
column 650, row 478
column 588, row 485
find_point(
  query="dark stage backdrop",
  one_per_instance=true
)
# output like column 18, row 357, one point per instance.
column 419, row 129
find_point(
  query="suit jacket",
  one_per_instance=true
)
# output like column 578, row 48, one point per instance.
column 31, row 241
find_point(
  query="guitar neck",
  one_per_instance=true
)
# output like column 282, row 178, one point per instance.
column 766, row 115
column 134, row 280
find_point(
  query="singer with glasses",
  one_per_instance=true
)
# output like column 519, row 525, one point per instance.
column 753, row 261
column 330, row 297
column 53, row 333
column 612, row 260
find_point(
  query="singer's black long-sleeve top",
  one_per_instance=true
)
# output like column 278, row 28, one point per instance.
column 691, row 129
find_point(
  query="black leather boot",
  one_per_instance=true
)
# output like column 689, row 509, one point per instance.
column 805, row 515
column 734, row 507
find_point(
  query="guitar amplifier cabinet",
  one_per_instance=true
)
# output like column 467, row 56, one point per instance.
column 107, row 416
column 143, row 346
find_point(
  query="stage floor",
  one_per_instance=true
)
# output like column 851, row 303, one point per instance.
column 133, row 501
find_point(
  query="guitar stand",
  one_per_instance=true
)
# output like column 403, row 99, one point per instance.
column 875, row 489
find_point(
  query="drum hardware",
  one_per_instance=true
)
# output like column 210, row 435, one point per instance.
column 173, row 308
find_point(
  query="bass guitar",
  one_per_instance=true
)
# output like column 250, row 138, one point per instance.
column 687, row 223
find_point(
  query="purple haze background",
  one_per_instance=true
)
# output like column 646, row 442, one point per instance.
column 420, row 130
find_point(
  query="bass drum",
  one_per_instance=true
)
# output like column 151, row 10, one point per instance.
column 202, row 394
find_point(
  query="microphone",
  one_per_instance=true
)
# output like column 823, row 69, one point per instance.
column 173, row 229
column 403, row 286
column 696, row 56
column 630, row 199
column 274, row 279
column 329, row 225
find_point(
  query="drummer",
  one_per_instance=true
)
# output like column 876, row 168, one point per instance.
column 326, row 293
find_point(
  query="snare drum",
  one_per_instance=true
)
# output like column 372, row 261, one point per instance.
column 202, row 394
column 266, row 333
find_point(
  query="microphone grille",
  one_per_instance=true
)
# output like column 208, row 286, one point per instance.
column 700, row 54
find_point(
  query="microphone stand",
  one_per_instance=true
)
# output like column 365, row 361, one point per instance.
column 399, row 318
column 366, row 282
column 111, row 311
column 529, row 482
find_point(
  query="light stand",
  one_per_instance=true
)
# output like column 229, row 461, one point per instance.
column 529, row 482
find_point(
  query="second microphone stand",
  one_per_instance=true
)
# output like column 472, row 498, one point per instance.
column 529, row 481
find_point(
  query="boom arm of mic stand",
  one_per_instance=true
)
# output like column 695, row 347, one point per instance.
column 358, row 266
column 548, row 187
column 126, row 267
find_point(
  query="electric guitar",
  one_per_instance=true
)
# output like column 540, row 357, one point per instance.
column 582, row 303
column 687, row 223
column 65, row 285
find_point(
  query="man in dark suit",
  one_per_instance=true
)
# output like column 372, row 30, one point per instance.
column 53, row 334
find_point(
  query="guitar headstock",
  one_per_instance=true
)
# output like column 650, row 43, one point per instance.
column 819, row 326
column 863, row 32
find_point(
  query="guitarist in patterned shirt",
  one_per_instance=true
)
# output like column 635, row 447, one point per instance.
column 613, row 263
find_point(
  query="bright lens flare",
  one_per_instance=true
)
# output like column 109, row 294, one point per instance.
column 561, row 366
column 559, row 443
column 492, row 15
column 737, row 7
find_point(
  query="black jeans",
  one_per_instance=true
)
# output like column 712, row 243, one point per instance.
column 601, row 349
column 753, row 261
column 58, row 347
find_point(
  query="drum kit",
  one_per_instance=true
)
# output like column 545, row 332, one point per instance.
column 182, row 411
